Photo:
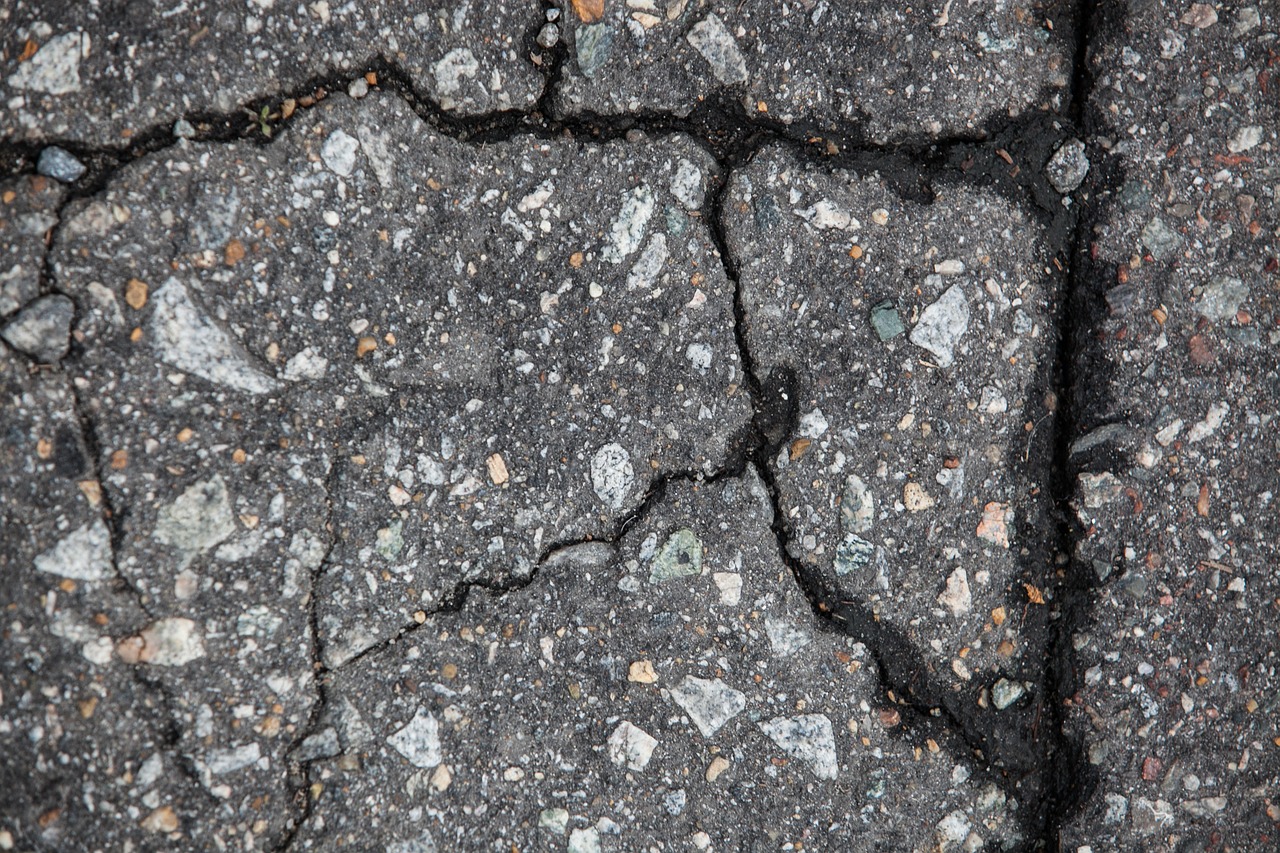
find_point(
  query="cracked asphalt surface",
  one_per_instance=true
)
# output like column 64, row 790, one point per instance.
column 639, row 424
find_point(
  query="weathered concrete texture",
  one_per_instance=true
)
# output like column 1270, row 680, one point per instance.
column 533, row 364
column 28, row 212
column 911, row 341
column 886, row 72
column 673, row 690
column 99, row 73
column 1177, row 700
column 86, row 741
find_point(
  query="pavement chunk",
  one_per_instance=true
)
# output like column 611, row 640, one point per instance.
column 885, row 72
column 1176, row 668
column 906, row 475
column 600, row 704
column 86, row 740
column 318, row 425
column 104, row 75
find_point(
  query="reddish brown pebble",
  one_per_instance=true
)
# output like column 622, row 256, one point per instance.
column 588, row 11
column 1201, row 353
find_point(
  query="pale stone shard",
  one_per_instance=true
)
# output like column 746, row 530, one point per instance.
column 190, row 341
column 628, row 229
column 83, row 555
column 165, row 642
column 957, row 597
column 942, row 325
column 710, row 703
column 55, row 67
column 197, row 520
column 612, row 475
column 711, row 38
column 419, row 740
column 631, row 746
column 809, row 738
column 339, row 152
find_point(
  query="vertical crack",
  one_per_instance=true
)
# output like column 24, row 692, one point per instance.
column 1070, row 779
column 299, row 771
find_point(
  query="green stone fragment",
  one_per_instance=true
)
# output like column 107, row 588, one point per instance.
column 679, row 556
column 886, row 322
column 594, row 44
column 390, row 540
column 677, row 222
column 857, row 507
column 555, row 820
column 853, row 553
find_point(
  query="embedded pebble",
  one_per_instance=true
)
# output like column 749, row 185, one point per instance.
column 419, row 740
column 712, row 39
column 1005, row 693
column 1160, row 239
column 680, row 556
column 1068, row 166
column 60, row 164
column 886, row 322
column 85, row 554
column 808, row 738
column 1222, row 297
column 190, row 340
column 630, row 746
column 942, row 324
column 957, row 597
column 42, row 329
column 612, row 475
column 710, row 703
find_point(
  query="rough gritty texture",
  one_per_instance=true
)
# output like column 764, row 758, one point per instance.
column 611, row 694
column 72, row 711
column 1178, row 683
column 103, row 72
column 512, row 396
column 638, row 424
column 887, row 72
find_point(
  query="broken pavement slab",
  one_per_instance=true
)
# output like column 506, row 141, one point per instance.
column 1176, row 671
column 86, row 740
column 104, row 77
column 884, row 72
column 445, row 397
column 621, row 704
column 906, row 472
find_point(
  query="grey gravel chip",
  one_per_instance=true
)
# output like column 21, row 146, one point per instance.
column 61, row 164
column 42, row 329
